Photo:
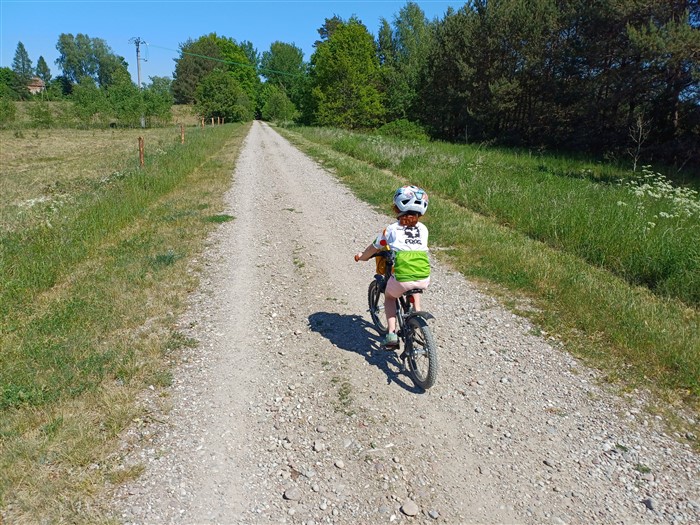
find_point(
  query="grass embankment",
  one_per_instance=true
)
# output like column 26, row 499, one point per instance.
column 92, row 283
column 612, row 268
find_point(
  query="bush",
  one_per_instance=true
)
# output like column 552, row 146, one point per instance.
column 404, row 129
column 8, row 111
column 277, row 106
column 40, row 114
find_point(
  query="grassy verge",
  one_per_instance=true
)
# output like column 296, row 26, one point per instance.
column 640, row 338
column 87, row 312
column 636, row 226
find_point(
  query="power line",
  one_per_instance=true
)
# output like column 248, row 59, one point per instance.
column 229, row 62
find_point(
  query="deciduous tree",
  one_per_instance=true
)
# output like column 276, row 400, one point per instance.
column 345, row 78
column 11, row 85
column 276, row 105
column 81, row 56
column 158, row 100
column 403, row 52
column 219, row 94
column 283, row 66
column 199, row 58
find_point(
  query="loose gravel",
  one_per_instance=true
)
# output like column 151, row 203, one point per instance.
column 287, row 411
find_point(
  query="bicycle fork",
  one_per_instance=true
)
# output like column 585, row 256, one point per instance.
column 404, row 333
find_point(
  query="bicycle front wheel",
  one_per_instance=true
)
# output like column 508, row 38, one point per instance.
column 422, row 352
column 375, row 298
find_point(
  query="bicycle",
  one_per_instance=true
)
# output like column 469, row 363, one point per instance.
column 419, row 348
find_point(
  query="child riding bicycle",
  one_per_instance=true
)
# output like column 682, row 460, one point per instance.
column 408, row 239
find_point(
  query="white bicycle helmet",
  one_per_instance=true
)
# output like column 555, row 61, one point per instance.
column 411, row 198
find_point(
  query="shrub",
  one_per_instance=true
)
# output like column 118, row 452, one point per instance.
column 8, row 111
column 404, row 129
column 40, row 114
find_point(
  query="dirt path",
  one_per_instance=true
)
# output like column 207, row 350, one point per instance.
column 287, row 412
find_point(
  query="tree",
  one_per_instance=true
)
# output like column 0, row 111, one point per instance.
column 328, row 28
column 158, row 99
column 403, row 53
column 219, row 94
column 668, row 42
column 81, row 56
column 448, row 80
column 22, row 64
column 345, row 78
column 11, row 85
column 199, row 58
column 276, row 105
column 570, row 75
column 43, row 71
column 251, row 53
column 239, row 65
column 90, row 103
column 125, row 101
column 283, row 66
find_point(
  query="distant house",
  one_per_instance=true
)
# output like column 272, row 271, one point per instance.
column 36, row 85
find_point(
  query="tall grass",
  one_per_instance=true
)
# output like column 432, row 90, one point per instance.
column 87, row 320
column 555, row 236
column 636, row 225
column 33, row 261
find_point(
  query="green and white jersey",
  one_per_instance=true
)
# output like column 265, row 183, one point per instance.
column 410, row 245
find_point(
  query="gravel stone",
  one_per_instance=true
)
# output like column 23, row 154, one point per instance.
column 292, row 494
column 409, row 507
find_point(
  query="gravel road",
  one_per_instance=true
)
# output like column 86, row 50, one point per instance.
column 287, row 411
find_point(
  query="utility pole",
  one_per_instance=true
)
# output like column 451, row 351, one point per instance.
column 137, row 41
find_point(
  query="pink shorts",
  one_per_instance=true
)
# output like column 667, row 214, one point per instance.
column 395, row 288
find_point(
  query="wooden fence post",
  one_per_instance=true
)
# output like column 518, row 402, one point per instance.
column 182, row 133
column 212, row 121
column 141, row 150
column 202, row 123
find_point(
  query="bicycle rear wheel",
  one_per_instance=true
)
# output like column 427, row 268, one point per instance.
column 422, row 352
column 375, row 298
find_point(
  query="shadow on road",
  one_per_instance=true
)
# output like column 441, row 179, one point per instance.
column 355, row 334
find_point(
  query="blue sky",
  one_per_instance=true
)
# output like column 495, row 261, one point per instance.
column 167, row 23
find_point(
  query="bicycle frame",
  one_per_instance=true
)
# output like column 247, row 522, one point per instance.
column 418, row 343
column 404, row 305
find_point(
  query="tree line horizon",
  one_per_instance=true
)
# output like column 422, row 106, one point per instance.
column 618, row 79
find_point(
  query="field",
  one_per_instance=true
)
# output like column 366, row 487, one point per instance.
column 95, row 263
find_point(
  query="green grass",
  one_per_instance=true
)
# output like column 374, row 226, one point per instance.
column 634, row 226
column 87, row 313
column 510, row 222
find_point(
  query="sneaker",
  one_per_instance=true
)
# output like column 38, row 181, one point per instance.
column 391, row 340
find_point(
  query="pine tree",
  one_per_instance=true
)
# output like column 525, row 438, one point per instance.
column 22, row 64
column 42, row 70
